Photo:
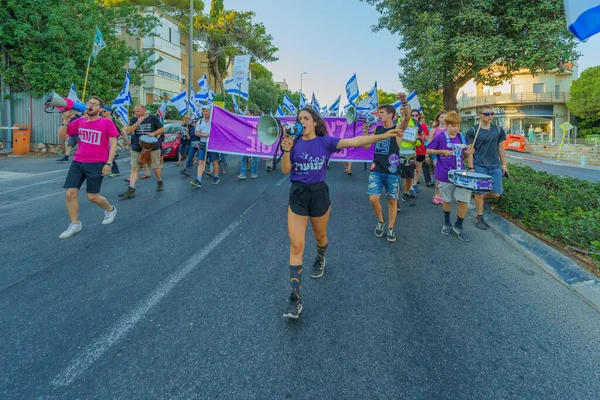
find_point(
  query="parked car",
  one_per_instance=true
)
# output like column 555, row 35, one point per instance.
column 171, row 140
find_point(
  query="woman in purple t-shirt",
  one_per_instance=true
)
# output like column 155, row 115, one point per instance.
column 306, row 161
column 439, row 126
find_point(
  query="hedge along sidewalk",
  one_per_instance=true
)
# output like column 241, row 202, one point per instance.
column 562, row 268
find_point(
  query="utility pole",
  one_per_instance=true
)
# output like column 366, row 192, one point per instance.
column 191, row 59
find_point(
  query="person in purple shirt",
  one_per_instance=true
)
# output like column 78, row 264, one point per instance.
column 305, row 159
column 441, row 146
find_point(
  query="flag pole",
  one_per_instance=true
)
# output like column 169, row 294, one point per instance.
column 87, row 70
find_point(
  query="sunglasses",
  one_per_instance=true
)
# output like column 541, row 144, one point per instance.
column 488, row 114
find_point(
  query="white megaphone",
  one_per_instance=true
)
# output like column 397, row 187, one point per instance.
column 352, row 116
column 56, row 103
column 269, row 129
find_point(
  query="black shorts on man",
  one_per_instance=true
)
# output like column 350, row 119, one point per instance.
column 80, row 172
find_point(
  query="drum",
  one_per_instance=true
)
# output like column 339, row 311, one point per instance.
column 408, row 158
column 470, row 180
column 148, row 144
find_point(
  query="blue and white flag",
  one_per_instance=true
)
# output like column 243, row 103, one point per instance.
column 162, row 111
column 124, row 97
column 99, row 43
column 279, row 112
column 324, row 111
column 314, row 103
column 236, row 90
column 289, row 105
column 302, row 102
column 122, row 112
column 335, row 107
column 192, row 102
column 211, row 95
column 374, row 97
column 414, row 102
column 352, row 90
column 180, row 102
column 364, row 105
column 583, row 17
column 202, row 94
column 72, row 93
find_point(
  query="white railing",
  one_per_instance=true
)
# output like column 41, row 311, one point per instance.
column 549, row 97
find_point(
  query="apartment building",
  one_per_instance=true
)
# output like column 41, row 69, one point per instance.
column 533, row 106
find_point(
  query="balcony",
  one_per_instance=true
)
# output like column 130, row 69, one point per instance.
column 513, row 98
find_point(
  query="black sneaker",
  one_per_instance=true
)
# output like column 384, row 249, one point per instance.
column 481, row 224
column 391, row 236
column 294, row 308
column 64, row 159
column 185, row 172
column 447, row 230
column 318, row 269
column 460, row 233
column 160, row 186
column 196, row 183
column 379, row 229
column 406, row 198
column 129, row 194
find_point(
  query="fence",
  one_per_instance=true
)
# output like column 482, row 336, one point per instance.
column 505, row 98
column 30, row 110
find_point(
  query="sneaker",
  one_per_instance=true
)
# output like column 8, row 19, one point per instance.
column 416, row 189
column 318, row 269
column 109, row 216
column 429, row 184
column 64, row 159
column 447, row 230
column 114, row 175
column 160, row 186
column 294, row 308
column 129, row 194
column 126, row 180
column 223, row 171
column 460, row 233
column 406, row 198
column 481, row 224
column 185, row 172
column 216, row 180
column 253, row 176
column 209, row 173
column 412, row 192
column 241, row 177
column 379, row 229
column 391, row 236
column 71, row 230
column 196, row 183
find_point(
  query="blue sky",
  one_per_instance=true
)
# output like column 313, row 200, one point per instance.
column 340, row 43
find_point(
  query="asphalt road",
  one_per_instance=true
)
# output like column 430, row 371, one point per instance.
column 589, row 174
column 182, row 296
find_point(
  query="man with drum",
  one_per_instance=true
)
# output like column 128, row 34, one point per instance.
column 489, row 158
column 145, row 130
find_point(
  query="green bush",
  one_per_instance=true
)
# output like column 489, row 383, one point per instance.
column 566, row 210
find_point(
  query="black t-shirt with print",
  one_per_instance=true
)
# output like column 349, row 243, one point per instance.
column 385, row 158
column 186, row 130
column 150, row 124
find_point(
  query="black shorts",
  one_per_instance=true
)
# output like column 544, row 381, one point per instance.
column 407, row 172
column 309, row 200
column 79, row 172
column 72, row 141
column 421, row 158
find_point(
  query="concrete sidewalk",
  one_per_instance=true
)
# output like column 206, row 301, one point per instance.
column 547, row 160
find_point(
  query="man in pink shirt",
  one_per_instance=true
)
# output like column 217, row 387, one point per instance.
column 92, row 162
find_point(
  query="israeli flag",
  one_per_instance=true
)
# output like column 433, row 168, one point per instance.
column 374, row 97
column 289, row 105
column 314, row 103
column 279, row 112
column 234, row 90
column 211, row 95
column 397, row 106
column 583, row 17
column 335, row 107
column 202, row 95
column 162, row 111
column 192, row 101
column 302, row 102
column 72, row 93
column 180, row 102
column 122, row 112
column 352, row 90
column 99, row 43
column 364, row 105
column 124, row 97
column 414, row 102
column 235, row 105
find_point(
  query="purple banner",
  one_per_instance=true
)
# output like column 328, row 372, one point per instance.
column 236, row 134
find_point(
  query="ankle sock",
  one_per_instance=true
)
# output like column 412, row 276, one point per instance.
column 459, row 222
column 446, row 217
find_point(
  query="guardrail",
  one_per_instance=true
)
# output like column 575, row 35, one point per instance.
column 550, row 97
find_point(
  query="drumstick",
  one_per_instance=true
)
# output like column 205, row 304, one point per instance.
column 475, row 138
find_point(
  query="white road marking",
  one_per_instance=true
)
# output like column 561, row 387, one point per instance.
column 24, row 175
column 9, row 175
column 97, row 349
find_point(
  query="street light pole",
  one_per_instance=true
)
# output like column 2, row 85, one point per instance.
column 301, row 81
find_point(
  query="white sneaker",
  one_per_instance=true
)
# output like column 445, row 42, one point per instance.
column 109, row 216
column 71, row 230
column 241, row 177
column 253, row 176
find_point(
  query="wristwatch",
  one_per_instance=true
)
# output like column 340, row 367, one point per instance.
column 109, row 164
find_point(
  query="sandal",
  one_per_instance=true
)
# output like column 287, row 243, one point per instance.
column 146, row 176
column 437, row 200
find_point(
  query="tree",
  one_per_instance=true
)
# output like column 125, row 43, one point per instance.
column 447, row 43
column 227, row 33
column 49, row 48
column 383, row 97
column 259, row 71
column 585, row 101
column 265, row 95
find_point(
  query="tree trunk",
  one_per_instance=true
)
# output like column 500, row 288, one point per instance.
column 449, row 92
column 214, row 65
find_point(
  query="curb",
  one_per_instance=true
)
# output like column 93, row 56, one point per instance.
column 572, row 165
column 557, row 265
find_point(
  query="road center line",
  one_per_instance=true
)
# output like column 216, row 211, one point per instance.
column 97, row 349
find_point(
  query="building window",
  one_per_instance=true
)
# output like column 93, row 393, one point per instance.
column 517, row 89
column 167, row 75
column 539, row 87
column 557, row 91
